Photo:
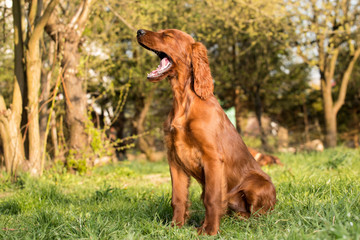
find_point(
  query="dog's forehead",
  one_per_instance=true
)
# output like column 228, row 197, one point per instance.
column 178, row 33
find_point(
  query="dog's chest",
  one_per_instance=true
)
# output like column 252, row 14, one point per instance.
column 186, row 153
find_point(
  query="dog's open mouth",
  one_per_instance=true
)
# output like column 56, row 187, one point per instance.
column 164, row 66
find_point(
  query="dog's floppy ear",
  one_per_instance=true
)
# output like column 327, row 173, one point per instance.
column 203, row 82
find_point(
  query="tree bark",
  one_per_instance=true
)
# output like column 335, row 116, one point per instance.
column 331, row 109
column 33, row 67
column 143, row 143
column 11, row 138
column 10, row 119
column 330, row 117
column 331, row 129
column 19, row 94
column 330, row 41
column 76, row 96
column 238, row 108
column 76, row 105
column 33, row 73
column 306, row 123
column 54, row 138
column 258, row 112
column 45, row 94
column 356, row 126
column 238, row 92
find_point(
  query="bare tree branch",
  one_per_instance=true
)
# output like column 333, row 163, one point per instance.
column 19, row 94
column 53, row 27
column 331, row 65
column 120, row 17
column 2, row 103
column 345, row 80
column 32, row 12
column 304, row 58
column 77, row 14
column 42, row 22
column 84, row 15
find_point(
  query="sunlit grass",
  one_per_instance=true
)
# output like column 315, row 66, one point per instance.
column 318, row 198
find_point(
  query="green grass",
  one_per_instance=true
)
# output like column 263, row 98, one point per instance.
column 318, row 198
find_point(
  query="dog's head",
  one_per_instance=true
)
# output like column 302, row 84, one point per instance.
column 179, row 54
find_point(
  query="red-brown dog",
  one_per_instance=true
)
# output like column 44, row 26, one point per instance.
column 264, row 159
column 200, row 139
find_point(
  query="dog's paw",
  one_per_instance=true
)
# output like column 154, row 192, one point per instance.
column 207, row 230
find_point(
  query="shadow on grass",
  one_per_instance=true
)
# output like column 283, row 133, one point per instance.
column 10, row 207
column 131, row 205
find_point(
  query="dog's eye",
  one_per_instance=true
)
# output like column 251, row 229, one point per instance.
column 167, row 35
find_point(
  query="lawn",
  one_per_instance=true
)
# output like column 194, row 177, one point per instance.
column 318, row 198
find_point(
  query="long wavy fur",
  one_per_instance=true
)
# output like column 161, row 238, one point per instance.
column 203, row 81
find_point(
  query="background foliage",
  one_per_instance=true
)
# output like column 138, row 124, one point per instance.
column 261, row 60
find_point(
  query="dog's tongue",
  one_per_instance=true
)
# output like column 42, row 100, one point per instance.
column 164, row 64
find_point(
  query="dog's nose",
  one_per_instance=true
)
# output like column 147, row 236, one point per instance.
column 140, row 32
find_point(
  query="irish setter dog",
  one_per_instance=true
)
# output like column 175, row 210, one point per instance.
column 200, row 140
column 264, row 159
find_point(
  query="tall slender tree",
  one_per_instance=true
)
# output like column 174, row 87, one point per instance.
column 69, row 37
column 324, row 30
column 27, row 82
column 10, row 119
column 36, row 23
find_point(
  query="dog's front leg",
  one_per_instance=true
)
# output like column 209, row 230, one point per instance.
column 213, row 195
column 179, row 201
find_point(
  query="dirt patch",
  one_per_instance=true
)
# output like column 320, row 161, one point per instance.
column 156, row 179
column 5, row 194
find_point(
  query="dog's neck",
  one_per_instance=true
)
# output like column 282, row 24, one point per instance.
column 183, row 93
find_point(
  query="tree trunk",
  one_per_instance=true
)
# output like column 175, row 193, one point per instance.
column 318, row 128
column 258, row 112
column 69, row 41
column 329, row 115
column 54, row 138
column 10, row 135
column 76, row 105
column 332, row 108
column 331, row 131
column 116, row 131
column 33, row 74
column 144, row 143
column 238, row 91
column 12, row 146
column 356, row 126
column 306, row 123
column 330, row 123
column 45, row 94
column 238, row 108
column 10, row 119
column 19, row 92
column 283, row 138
